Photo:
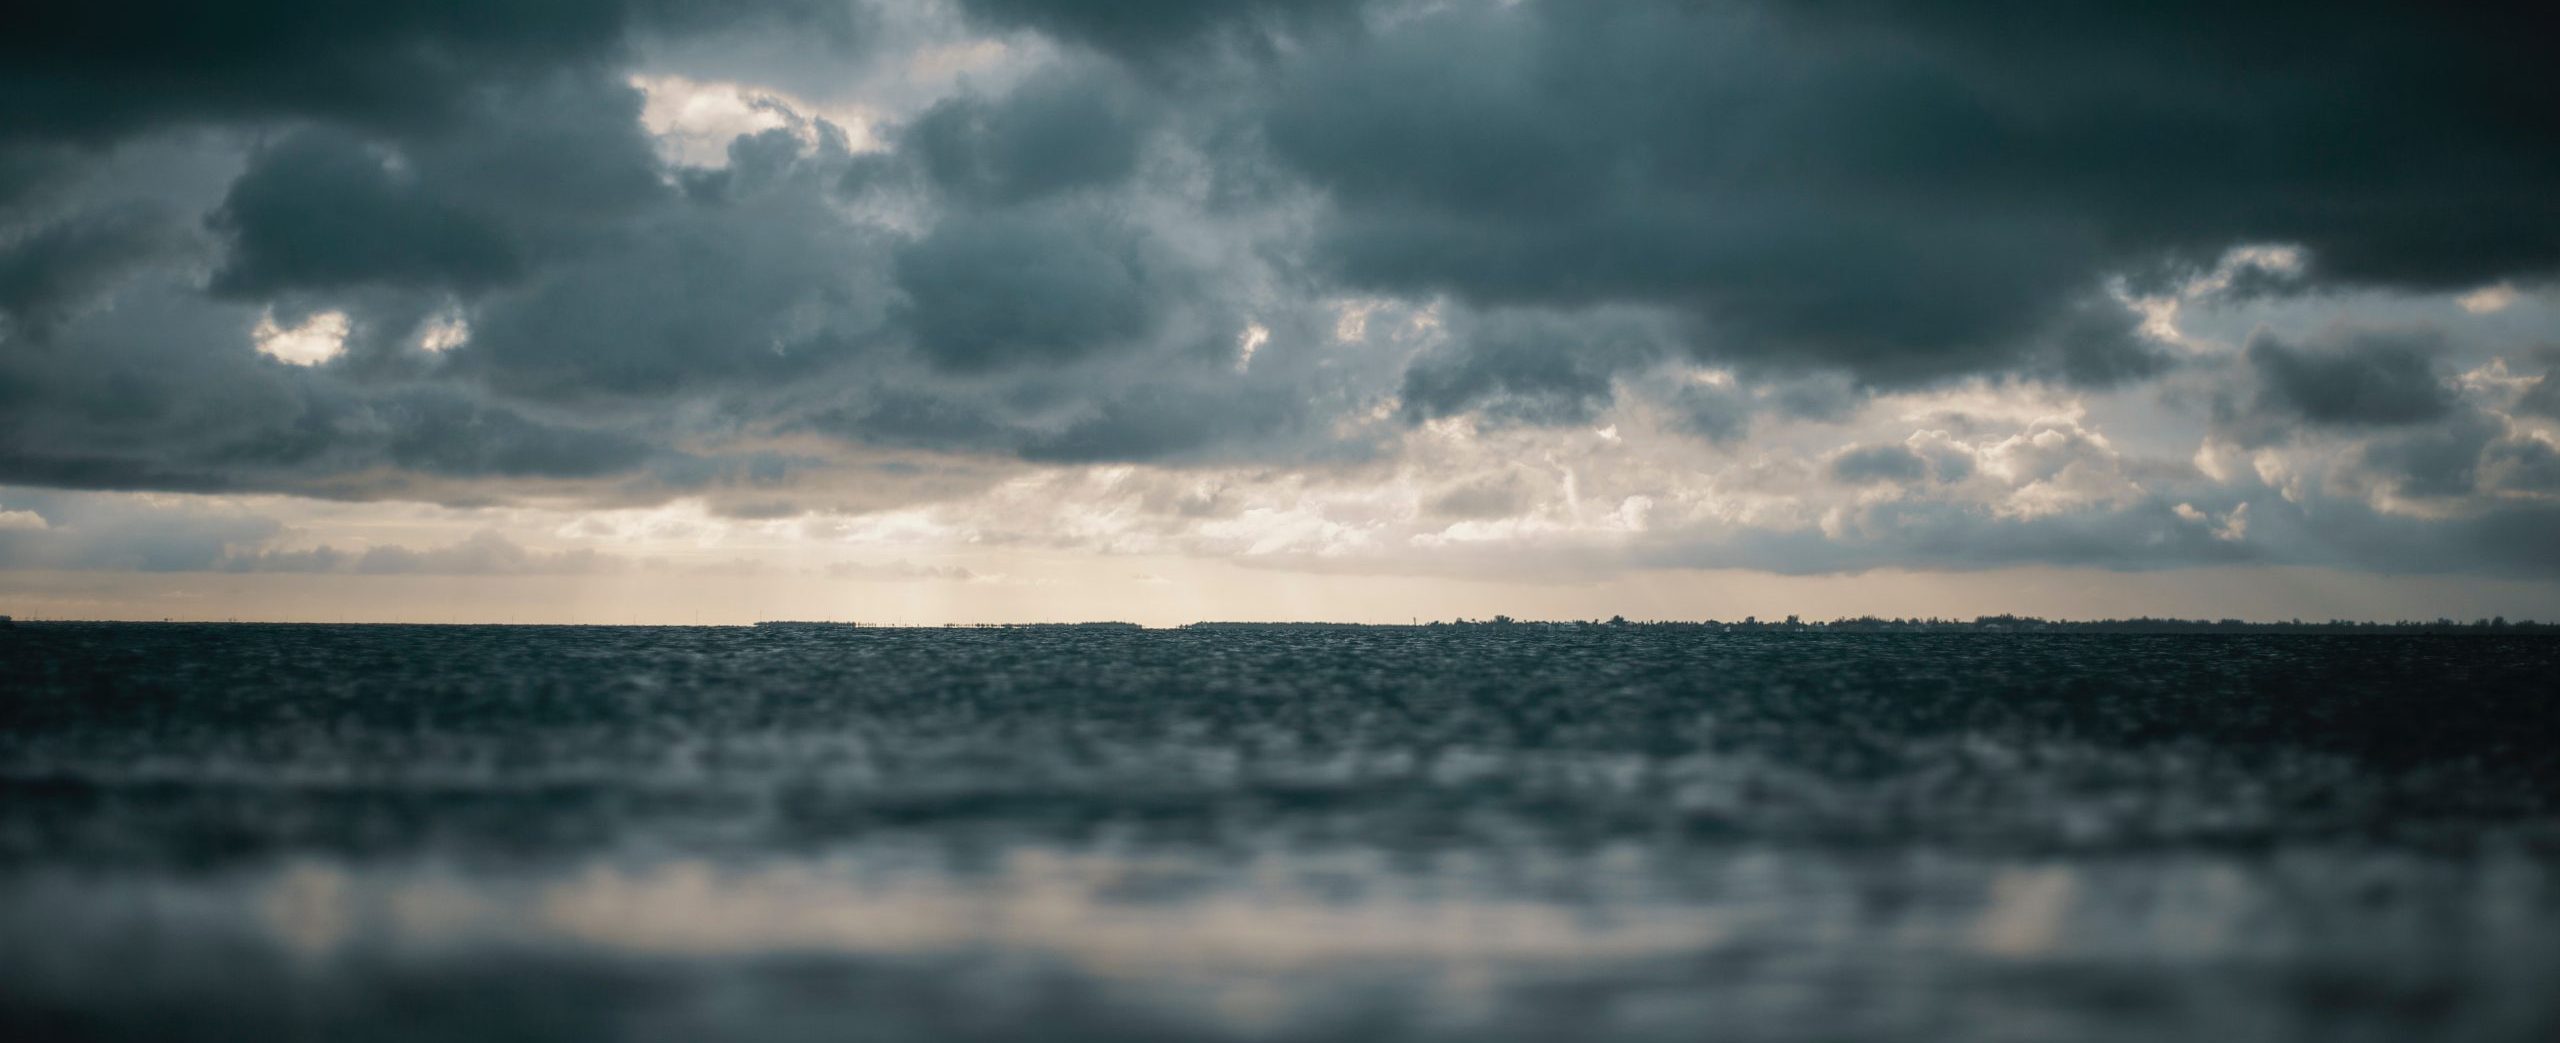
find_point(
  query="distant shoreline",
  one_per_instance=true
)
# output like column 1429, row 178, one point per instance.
column 2004, row 624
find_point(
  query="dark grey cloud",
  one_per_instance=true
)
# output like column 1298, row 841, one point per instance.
column 1914, row 191
column 2507, row 540
column 2390, row 139
column 88, row 532
column 2542, row 397
column 751, row 278
column 1159, row 421
column 1821, row 396
column 537, row 171
column 446, row 433
column 485, row 553
column 611, row 309
column 2523, row 466
column 1932, row 534
column 1568, row 155
column 2434, row 461
column 2378, row 406
column 1157, row 31
column 26, row 169
column 84, row 532
column 1868, row 465
column 2376, row 409
column 1714, row 412
column 51, row 269
column 322, row 211
column 1532, row 365
column 1560, row 367
column 475, row 166
column 1034, row 287
column 1060, row 131
column 90, row 72
column 166, row 391
column 1180, row 394
column 2364, row 379
column 1061, row 260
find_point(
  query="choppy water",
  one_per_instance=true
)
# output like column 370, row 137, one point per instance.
column 492, row 833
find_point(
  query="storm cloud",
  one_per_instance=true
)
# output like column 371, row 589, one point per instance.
column 589, row 252
column 93, row 72
column 1151, row 30
column 1914, row 191
column 2374, row 380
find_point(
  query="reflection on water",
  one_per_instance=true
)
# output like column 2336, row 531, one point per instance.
column 1630, row 942
column 688, row 835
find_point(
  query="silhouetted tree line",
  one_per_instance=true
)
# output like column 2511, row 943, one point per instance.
column 1997, row 624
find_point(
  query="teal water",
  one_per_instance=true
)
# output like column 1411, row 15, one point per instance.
column 488, row 833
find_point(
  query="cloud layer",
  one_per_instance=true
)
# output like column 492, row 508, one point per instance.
column 1395, row 285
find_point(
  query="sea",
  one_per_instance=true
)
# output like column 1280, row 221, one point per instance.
column 1533, row 833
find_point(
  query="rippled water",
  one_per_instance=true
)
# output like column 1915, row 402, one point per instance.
column 491, row 833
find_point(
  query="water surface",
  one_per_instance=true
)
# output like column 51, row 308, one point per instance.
column 390, row 832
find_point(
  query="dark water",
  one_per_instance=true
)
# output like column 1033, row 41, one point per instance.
column 259, row 833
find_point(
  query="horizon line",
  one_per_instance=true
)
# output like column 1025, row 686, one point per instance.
column 1990, row 623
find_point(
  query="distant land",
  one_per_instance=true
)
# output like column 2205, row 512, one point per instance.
column 1996, row 624
column 2001, row 624
column 1855, row 625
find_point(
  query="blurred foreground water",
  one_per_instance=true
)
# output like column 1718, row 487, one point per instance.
column 496, row 833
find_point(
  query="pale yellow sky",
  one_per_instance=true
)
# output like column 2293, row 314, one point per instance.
column 1171, row 591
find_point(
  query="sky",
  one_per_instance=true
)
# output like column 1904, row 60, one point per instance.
column 1368, row 310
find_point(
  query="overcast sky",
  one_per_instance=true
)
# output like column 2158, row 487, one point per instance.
column 961, row 310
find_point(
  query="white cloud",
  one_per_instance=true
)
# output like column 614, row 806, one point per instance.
column 2234, row 526
column 1254, row 337
column 2488, row 299
column 318, row 339
column 444, row 333
column 695, row 120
